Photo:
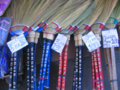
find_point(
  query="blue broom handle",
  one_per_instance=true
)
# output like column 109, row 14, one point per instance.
column 35, row 67
column 11, row 73
column 74, row 73
column 80, row 68
column 28, row 68
column 76, row 69
column 15, row 70
column 32, row 64
column 42, row 61
column 48, row 69
column 45, row 62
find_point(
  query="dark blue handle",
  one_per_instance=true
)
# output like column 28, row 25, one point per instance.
column 74, row 73
column 32, row 64
column 11, row 73
column 15, row 70
column 28, row 68
column 77, row 77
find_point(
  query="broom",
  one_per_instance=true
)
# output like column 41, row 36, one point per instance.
column 65, row 32
column 57, row 19
column 111, row 23
column 75, row 23
column 15, row 20
column 84, row 25
column 109, row 6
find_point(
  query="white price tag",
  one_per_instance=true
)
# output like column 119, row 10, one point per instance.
column 91, row 41
column 110, row 38
column 59, row 43
column 17, row 43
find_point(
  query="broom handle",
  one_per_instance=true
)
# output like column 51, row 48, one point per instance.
column 48, row 70
column 42, row 61
column 93, row 72
column 28, row 67
column 35, row 67
column 48, row 47
column 65, row 64
column 106, row 57
column 80, row 67
column 110, row 67
column 11, row 73
column 74, row 75
column 15, row 71
column 100, row 68
column 32, row 64
column 64, row 68
column 60, row 70
column 115, row 83
column 96, row 71
column 37, row 34
column 46, row 81
column 76, row 78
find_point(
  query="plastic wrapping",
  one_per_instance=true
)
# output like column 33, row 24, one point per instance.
column 3, row 6
column 4, row 62
column 5, row 23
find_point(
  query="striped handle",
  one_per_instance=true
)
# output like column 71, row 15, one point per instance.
column 64, row 67
column 74, row 76
column 42, row 61
column 93, row 71
column 80, row 67
column 32, row 64
column 15, row 71
column 48, row 69
column 11, row 73
column 45, row 62
column 100, row 68
column 28, row 68
column 60, row 70
column 96, row 71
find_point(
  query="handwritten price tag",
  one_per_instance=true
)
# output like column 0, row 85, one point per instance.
column 17, row 43
column 91, row 41
column 59, row 43
column 110, row 38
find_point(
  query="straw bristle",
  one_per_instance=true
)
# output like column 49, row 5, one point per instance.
column 114, row 15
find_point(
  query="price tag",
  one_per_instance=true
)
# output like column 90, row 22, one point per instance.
column 91, row 41
column 59, row 43
column 17, row 43
column 110, row 38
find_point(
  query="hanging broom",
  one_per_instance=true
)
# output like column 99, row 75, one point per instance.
column 96, row 28
column 84, row 25
column 111, row 23
column 75, row 23
column 65, row 32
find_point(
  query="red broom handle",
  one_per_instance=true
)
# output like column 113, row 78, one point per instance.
column 100, row 68
column 64, row 67
column 96, row 71
column 60, row 71
column 93, row 71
